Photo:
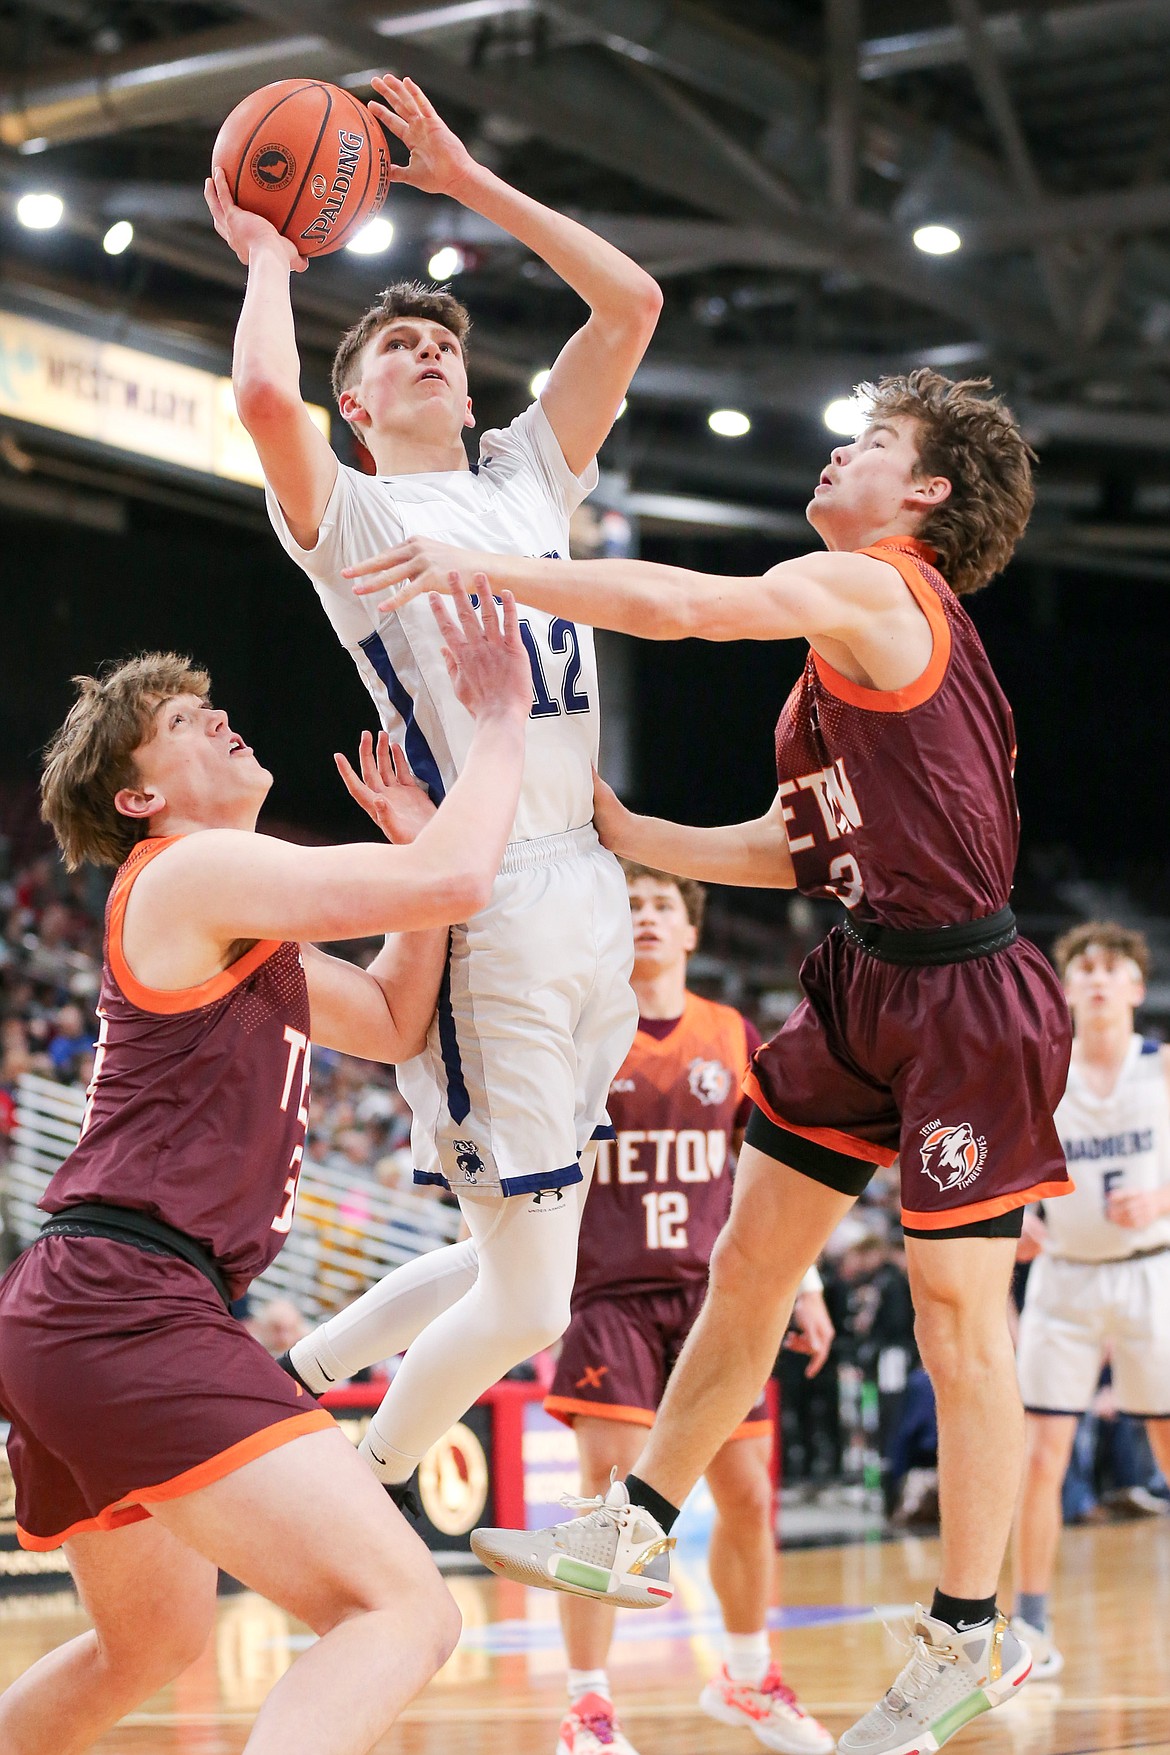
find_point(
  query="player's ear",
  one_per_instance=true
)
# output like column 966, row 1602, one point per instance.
column 351, row 410
column 139, row 803
column 928, row 493
column 468, row 414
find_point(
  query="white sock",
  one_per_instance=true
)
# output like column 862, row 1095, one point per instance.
column 747, row 1656
column 582, row 1682
column 391, row 1466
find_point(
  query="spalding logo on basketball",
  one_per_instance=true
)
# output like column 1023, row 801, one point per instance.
column 309, row 158
column 273, row 167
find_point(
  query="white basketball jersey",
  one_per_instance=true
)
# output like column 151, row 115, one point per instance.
column 517, row 501
column 1114, row 1142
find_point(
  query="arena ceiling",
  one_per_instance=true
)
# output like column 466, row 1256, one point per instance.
column 768, row 160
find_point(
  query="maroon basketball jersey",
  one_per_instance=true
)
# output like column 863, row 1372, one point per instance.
column 662, row 1188
column 199, row 1101
column 901, row 803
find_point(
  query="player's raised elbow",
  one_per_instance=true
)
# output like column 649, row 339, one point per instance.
column 264, row 402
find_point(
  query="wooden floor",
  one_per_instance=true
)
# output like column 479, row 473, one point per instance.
column 503, row 1689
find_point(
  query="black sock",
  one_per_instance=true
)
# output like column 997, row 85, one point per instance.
column 654, row 1503
column 962, row 1613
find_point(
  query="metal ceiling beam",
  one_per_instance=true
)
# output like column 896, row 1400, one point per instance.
column 1001, row 112
column 1054, row 30
column 843, row 31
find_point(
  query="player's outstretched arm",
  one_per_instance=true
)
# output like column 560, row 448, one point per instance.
column 296, row 457
column 382, row 1012
column 223, row 885
column 753, row 855
column 834, row 596
column 593, row 371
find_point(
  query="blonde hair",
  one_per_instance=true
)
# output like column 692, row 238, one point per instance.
column 91, row 758
column 973, row 440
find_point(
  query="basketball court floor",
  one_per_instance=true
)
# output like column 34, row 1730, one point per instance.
column 503, row 1690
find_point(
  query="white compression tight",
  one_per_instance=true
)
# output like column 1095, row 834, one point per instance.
column 467, row 1314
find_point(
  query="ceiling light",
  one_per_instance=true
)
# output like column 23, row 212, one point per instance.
column 622, row 409
column 937, row 240
column 38, row 143
column 846, row 415
column 40, row 212
column 729, row 423
column 446, row 262
column 541, row 379
column 375, row 236
column 119, row 237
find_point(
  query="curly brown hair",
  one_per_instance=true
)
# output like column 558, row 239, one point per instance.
column 406, row 298
column 91, row 758
column 694, row 896
column 1103, row 935
column 973, row 440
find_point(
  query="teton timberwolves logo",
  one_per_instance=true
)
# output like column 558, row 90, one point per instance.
column 709, row 1081
column 952, row 1156
column 273, row 167
column 468, row 1159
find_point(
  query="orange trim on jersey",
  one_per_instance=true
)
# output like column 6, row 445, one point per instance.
column 984, row 1209
column 168, row 1001
column 131, row 1508
column 566, row 1409
column 899, row 552
column 846, row 1143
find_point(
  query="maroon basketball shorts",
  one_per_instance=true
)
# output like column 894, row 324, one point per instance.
column 618, row 1352
column 954, row 1070
column 127, row 1382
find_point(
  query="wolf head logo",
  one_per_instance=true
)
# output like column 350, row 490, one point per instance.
column 709, row 1081
column 952, row 1156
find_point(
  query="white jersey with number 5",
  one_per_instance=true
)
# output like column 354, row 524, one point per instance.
column 518, row 500
column 1117, row 1142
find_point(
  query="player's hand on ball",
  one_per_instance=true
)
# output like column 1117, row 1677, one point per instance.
column 484, row 653
column 387, row 790
column 416, row 566
column 243, row 231
column 439, row 161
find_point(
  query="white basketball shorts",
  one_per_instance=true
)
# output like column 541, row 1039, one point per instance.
column 535, row 1016
column 1078, row 1314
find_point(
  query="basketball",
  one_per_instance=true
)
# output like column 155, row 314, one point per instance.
column 307, row 156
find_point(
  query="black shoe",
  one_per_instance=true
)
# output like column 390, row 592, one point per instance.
column 284, row 1360
column 405, row 1496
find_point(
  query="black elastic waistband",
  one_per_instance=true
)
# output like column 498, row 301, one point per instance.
column 124, row 1225
column 937, row 944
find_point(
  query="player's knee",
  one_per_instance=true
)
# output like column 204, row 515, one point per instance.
column 738, row 1271
column 1046, row 1450
column 537, row 1320
column 145, row 1665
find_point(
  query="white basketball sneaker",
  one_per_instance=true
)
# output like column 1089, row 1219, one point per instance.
column 1047, row 1662
column 617, row 1553
column 950, row 1679
column 769, row 1709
